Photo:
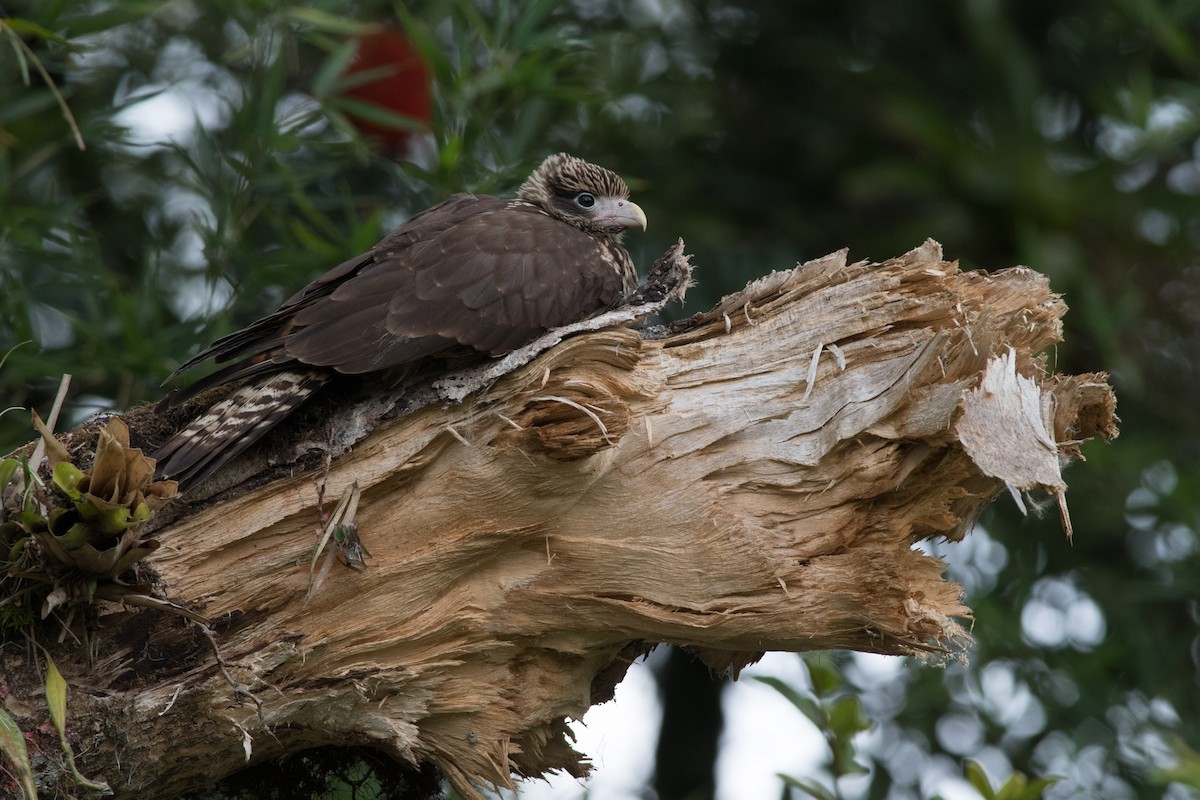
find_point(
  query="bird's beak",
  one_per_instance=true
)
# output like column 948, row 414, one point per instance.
column 615, row 212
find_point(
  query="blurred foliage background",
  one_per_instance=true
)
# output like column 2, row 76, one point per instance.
column 224, row 167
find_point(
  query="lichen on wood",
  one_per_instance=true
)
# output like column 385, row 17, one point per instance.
column 753, row 478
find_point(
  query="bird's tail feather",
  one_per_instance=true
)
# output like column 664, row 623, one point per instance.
column 232, row 425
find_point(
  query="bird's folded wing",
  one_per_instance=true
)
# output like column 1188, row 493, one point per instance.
column 494, row 282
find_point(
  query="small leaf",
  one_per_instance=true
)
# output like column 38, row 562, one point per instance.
column 979, row 779
column 141, row 513
column 843, row 758
column 327, row 75
column 67, row 477
column 1013, row 788
column 811, row 789
column 378, row 115
column 329, row 23
column 530, row 24
column 12, row 744
column 344, row 83
column 825, row 678
column 7, row 467
column 113, row 521
column 846, row 717
column 31, row 520
column 10, row 350
column 17, row 549
column 807, row 705
column 56, row 695
column 1019, row 787
column 75, row 537
column 1185, row 770
column 25, row 26
column 56, row 701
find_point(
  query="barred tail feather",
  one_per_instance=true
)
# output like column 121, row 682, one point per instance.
column 232, row 425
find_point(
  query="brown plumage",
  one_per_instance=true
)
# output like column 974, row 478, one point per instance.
column 472, row 274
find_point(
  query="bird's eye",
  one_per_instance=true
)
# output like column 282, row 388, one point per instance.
column 585, row 200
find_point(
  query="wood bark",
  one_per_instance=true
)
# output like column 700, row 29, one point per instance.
column 754, row 478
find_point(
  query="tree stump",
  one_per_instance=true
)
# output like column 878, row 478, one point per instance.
column 753, row 478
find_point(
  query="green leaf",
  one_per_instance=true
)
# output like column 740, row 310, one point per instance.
column 845, row 720
column 25, row 26
column 378, row 115
column 846, row 717
column 426, row 42
column 327, row 77
column 17, row 549
column 112, row 521
column 56, row 696
column 7, row 467
column 979, row 779
column 10, row 350
column 56, row 701
column 344, row 83
column 22, row 62
column 329, row 23
column 825, row 677
column 77, row 535
column 1019, row 787
column 308, row 238
column 141, row 513
column 12, row 744
column 1013, row 788
column 529, row 26
column 67, row 477
column 117, row 14
column 1186, row 769
column 811, row 789
column 31, row 520
column 807, row 705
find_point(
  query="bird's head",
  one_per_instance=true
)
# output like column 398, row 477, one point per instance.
column 589, row 197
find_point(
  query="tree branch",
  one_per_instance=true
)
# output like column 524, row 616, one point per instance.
column 753, row 478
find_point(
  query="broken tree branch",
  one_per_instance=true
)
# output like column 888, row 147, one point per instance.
column 753, row 478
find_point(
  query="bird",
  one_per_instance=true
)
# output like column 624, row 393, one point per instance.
column 474, row 275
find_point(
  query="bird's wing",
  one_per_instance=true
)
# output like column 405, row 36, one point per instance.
column 267, row 333
column 491, row 282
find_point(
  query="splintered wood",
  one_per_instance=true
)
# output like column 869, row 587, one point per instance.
column 754, row 478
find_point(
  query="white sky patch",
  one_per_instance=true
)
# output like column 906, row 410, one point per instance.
column 765, row 734
column 186, row 90
column 166, row 115
column 1060, row 614
column 188, row 249
column 875, row 669
column 199, row 297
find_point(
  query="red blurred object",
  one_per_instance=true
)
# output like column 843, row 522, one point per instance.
column 403, row 86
